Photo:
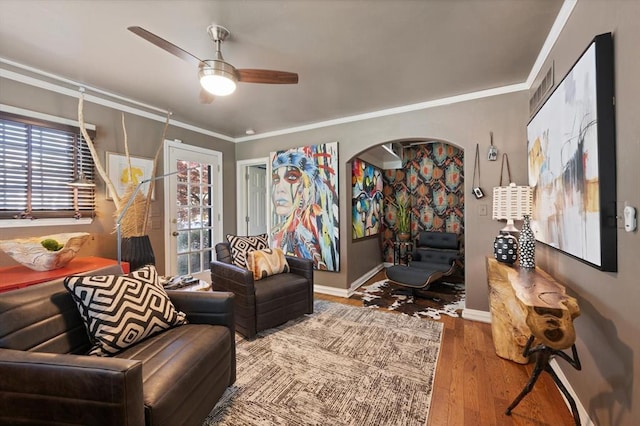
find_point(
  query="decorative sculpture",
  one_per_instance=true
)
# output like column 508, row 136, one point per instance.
column 133, row 224
column 31, row 253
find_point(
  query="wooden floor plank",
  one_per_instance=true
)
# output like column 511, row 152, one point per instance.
column 473, row 386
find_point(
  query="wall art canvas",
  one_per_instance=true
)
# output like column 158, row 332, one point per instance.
column 304, row 201
column 367, row 196
column 118, row 171
column 571, row 161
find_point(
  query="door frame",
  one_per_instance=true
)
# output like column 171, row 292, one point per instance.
column 216, row 235
column 241, row 186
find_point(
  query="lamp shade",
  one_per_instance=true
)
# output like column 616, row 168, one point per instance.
column 217, row 77
column 512, row 203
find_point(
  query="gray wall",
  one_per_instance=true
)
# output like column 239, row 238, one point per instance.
column 463, row 125
column 144, row 136
column 608, row 330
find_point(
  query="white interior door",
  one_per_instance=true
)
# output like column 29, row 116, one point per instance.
column 193, row 210
column 253, row 196
column 257, row 199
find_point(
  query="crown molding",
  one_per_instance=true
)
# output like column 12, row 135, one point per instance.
column 143, row 110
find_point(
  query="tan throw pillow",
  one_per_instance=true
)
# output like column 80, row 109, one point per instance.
column 266, row 262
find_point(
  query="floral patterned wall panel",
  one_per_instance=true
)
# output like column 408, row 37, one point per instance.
column 433, row 178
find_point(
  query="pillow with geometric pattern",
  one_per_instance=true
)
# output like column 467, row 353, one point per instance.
column 241, row 246
column 120, row 310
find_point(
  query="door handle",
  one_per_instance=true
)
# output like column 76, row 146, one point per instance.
column 175, row 233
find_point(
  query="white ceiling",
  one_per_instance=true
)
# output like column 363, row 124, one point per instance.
column 352, row 56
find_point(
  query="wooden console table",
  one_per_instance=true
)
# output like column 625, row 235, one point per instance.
column 532, row 316
column 13, row 277
column 526, row 302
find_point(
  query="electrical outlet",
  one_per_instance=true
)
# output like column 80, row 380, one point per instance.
column 482, row 210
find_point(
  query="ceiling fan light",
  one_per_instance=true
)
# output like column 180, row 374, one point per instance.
column 217, row 78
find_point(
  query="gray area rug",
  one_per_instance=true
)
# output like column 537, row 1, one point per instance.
column 342, row 365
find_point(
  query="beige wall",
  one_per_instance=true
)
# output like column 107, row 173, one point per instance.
column 144, row 136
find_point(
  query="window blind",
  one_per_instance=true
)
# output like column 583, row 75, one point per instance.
column 37, row 161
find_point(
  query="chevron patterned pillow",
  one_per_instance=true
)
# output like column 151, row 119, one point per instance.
column 120, row 310
column 241, row 246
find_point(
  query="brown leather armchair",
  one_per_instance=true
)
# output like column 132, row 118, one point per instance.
column 268, row 302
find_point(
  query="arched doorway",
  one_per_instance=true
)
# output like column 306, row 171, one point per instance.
column 430, row 175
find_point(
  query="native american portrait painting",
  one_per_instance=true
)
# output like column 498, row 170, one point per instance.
column 304, row 196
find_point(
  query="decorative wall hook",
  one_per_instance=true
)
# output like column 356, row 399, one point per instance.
column 492, row 155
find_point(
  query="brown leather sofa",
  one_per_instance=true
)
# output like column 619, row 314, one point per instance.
column 172, row 378
column 268, row 302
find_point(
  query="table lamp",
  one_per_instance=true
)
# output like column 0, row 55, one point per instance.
column 512, row 203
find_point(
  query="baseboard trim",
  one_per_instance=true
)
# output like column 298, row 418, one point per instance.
column 475, row 315
column 344, row 292
column 363, row 279
column 331, row 291
column 585, row 420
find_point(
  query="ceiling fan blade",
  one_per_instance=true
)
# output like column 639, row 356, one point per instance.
column 165, row 45
column 206, row 97
column 267, row 76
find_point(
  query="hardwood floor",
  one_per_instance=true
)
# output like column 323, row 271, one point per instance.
column 473, row 386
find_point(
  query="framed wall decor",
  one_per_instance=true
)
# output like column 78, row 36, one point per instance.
column 572, row 162
column 117, row 170
column 305, row 220
column 367, row 196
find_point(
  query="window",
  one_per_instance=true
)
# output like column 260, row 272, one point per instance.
column 37, row 161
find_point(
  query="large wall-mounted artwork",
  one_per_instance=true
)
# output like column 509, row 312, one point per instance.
column 572, row 161
column 367, row 185
column 304, row 195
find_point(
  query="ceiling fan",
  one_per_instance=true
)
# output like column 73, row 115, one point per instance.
column 218, row 77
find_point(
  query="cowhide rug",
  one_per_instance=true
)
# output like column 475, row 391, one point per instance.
column 442, row 298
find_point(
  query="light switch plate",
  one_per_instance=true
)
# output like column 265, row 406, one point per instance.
column 482, row 210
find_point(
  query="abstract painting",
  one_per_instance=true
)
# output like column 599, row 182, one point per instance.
column 571, row 161
column 367, row 185
column 304, row 195
column 118, row 171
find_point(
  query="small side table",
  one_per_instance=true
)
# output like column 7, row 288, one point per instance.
column 401, row 250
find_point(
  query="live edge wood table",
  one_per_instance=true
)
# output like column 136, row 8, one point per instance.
column 529, row 307
column 13, row 277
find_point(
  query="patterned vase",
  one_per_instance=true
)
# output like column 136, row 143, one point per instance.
column 527, row 245
column 505, row 248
